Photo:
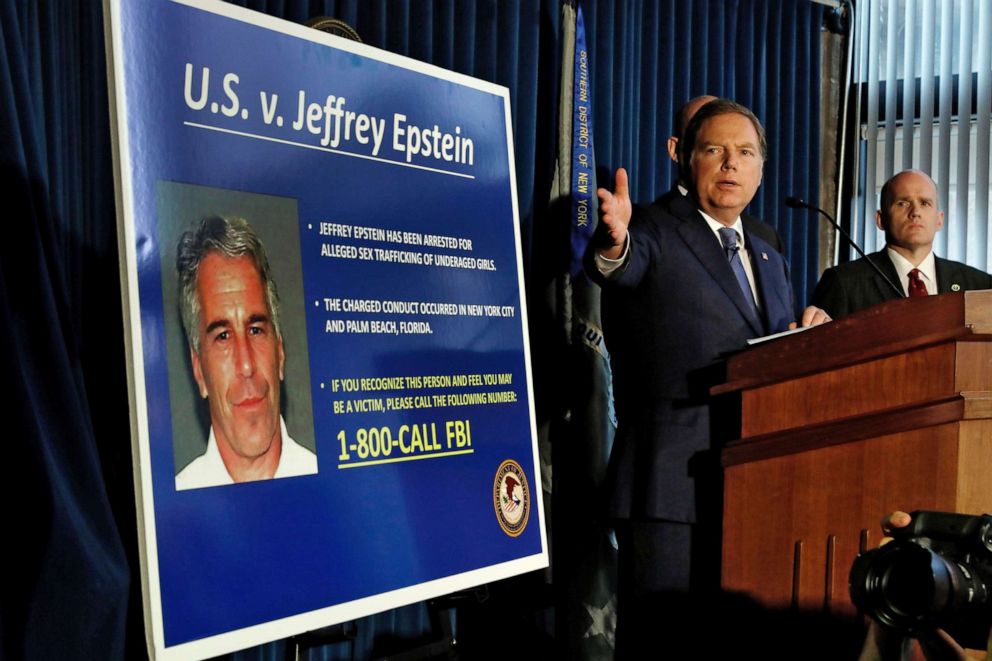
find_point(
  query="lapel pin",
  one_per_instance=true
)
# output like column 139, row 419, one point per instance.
column 764, row 256
column 955, row 287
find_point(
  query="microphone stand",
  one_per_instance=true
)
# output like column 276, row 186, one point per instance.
column 796, row 203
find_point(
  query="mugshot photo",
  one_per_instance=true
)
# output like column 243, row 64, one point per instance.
column 235, row 327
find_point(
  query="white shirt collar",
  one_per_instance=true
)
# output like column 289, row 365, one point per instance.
column 927, row 268
column 716, row 226
column 217, row 461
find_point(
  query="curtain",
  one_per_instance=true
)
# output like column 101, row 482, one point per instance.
column 66, row 578
column 648, row 58
column 71, row 589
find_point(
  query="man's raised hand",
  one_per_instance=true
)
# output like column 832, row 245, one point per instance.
column 614, row 213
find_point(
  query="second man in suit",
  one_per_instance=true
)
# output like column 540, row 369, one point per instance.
column 910, row 217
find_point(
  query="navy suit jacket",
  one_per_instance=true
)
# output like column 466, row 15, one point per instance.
column 683, row 312
column 855, row 286
column 752, row 224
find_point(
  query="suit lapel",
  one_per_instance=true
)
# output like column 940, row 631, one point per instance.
column 948, row 276
column 773, row 299
column 704, row 245
column 881, row 259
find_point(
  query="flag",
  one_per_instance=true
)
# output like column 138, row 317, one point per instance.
column 583, row 553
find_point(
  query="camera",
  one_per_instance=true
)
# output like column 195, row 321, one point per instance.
column 936, row 572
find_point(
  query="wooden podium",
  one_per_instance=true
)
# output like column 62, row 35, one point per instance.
column 887, row 409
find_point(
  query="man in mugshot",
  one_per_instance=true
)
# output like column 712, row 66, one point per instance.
column 230, row 312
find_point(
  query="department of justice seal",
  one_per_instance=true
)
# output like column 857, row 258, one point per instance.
column 511, row 498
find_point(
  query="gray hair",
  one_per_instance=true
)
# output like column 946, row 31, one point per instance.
column 231, row 237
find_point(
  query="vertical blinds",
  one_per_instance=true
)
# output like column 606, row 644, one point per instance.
column 922, row 86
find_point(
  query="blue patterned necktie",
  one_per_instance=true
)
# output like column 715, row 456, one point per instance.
column 728, row 236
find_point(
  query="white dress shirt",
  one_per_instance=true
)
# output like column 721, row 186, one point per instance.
column 927, row 268
column 208, row 470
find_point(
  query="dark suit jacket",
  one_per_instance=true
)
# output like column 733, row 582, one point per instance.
column 622, row 312
column 752, row 224
column 854, row 286
column 683, row 311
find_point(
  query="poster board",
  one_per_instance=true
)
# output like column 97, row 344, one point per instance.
column 382, row 192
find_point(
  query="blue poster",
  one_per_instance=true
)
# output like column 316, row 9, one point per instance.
column 332, row 407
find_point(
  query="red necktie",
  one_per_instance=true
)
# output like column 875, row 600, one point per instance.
column 916, row 286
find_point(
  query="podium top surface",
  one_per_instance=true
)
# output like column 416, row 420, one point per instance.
column 883, row 330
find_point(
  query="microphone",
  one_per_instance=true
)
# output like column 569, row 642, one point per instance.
column 796, row 203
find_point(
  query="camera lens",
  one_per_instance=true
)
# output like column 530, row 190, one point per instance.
column 908, row 583
column 935, row 573
column 895, row 585
column 909, row 587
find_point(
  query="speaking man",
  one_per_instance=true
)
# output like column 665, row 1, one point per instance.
column 700, row 284
column 230, row 312
column 682, row 117
column 910, row 217
column 618, row 311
